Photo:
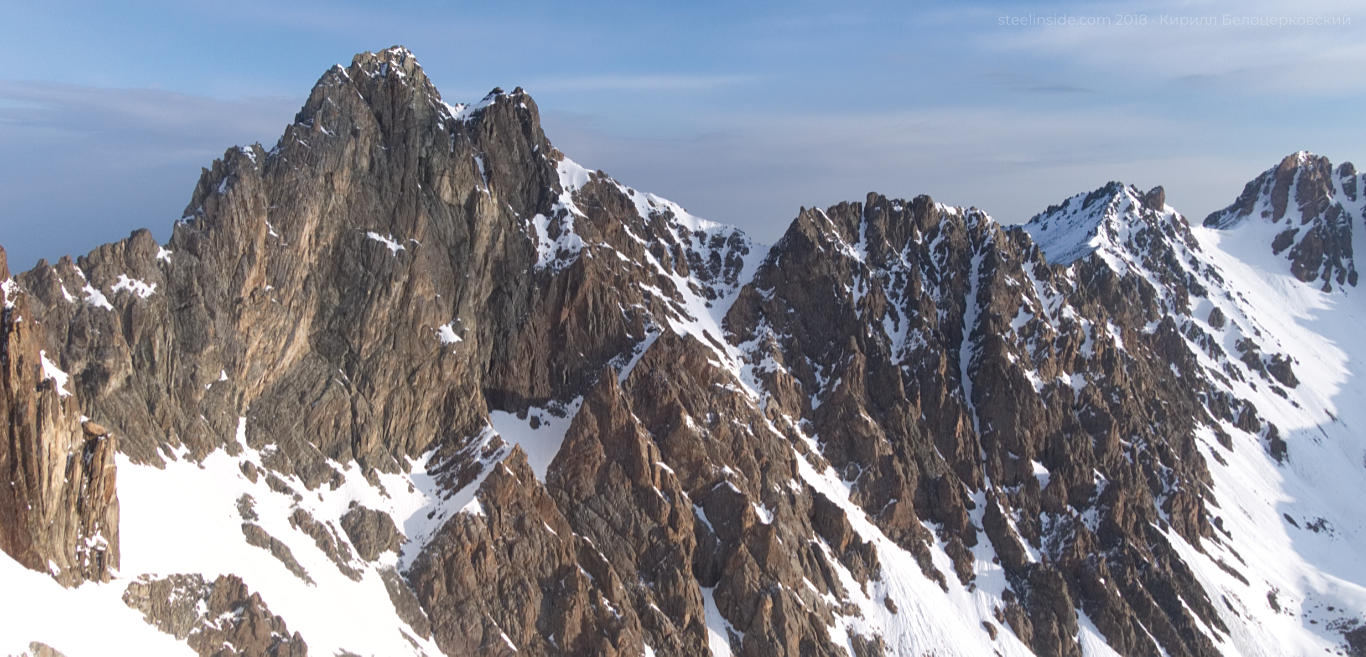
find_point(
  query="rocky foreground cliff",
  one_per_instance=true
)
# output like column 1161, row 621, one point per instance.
column 414, row 382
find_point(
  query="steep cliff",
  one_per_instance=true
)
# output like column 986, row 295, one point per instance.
column 412, row 381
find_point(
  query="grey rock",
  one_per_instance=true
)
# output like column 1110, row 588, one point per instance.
column 217, row 619
column 258, row 537
column 58, row 507
column 371, row 532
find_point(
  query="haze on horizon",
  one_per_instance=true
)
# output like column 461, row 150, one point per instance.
column 741, row 114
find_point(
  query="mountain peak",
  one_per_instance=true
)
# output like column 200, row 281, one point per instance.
column 397, row 63
column 1310, row 208
column 396, row 56
column 383, row 81
column 383, row 112
column 1268, row 195
column 1089, row 221
column 415, row 345
column 1301, row 158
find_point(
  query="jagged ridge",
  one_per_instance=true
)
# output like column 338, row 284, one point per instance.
column 503, row 403
column 1312, row 209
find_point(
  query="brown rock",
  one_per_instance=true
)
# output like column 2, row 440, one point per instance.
column 371, row 532
column 59, row 510
column 216, row 618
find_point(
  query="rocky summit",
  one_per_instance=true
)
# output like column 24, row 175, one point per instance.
column 413, row 382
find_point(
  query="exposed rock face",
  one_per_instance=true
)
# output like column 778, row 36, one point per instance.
column 217, row 619
column 533, row 411
column 758, row 550
column 38, row 649
column 405, row 602
column 1315, row 208
column 372, row 532
column 257, row 537
column 628, row 507
column 273, row 295
column 959, row 408
column 511, row 578
column 58, row 508
column 1356, row 641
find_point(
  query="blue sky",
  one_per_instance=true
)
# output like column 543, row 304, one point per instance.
column 741, row 112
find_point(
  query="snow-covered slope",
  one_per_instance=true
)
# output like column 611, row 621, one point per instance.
column 1284, row 569
column 1096, row 222
column 1296, row 523
column 189, row 517
column 500, row 403
column 1309, row 212
column 1287, row 563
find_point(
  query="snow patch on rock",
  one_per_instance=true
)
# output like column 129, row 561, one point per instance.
column 141, row 288
column 387, row 240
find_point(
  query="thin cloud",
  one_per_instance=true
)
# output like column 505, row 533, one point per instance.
column 1027, row 83
column 89, row 164
column 647, row 82
column 142, row 112
column 1057, row 89
column 754, row 171
column 1258, row 48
